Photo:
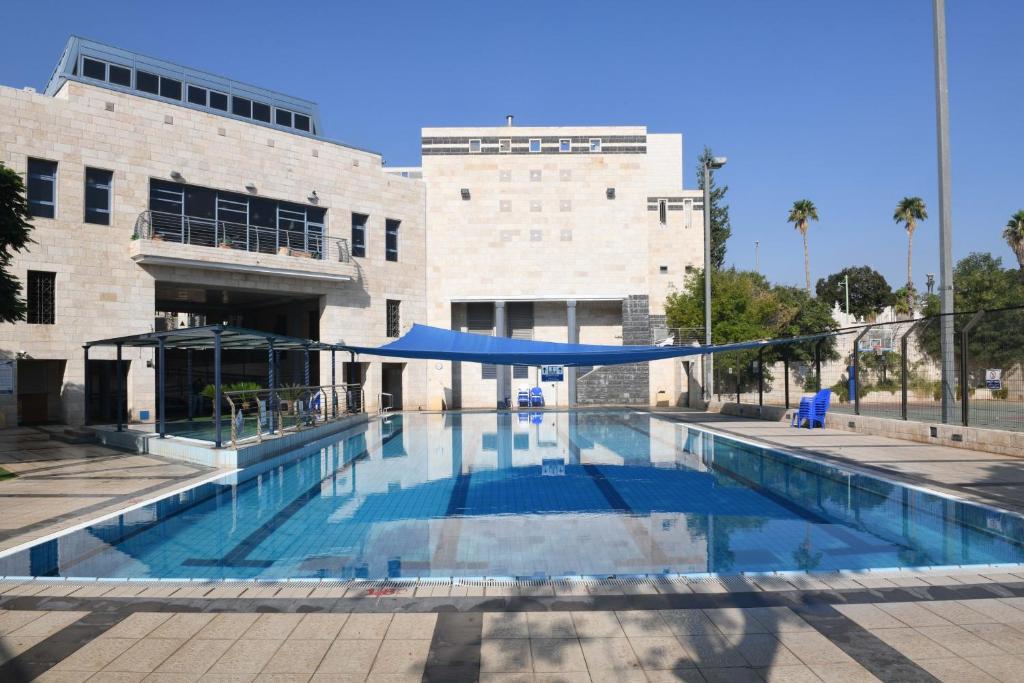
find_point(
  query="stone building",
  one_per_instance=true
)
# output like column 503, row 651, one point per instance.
column 167, row 196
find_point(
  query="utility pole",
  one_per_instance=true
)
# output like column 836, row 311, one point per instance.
column 945, row 210
column 757, row 256
column 846, row 286
column 713, row 163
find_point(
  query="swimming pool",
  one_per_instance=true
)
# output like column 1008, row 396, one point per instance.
column 529, row 495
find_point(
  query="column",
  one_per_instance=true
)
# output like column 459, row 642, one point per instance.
column 85, row 386
column 502, row 371
column 217, row 440
column 162, row 392
column 574, row 338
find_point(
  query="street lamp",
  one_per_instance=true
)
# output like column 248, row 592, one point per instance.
column 711, row 164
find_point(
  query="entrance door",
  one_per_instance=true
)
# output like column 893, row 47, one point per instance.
column 39, row 391
column 391, row 383
column 103, row 391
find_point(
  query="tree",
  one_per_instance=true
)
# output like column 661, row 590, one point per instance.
column 721, row 229
column 14, row 237
column 802, row 213
column 909, row 211
column 869, row 291
column 1014, row 236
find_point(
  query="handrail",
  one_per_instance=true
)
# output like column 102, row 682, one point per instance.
column 302, row 406
column 381, row 408
column 208, row 232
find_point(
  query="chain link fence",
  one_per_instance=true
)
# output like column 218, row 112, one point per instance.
column 893, row 370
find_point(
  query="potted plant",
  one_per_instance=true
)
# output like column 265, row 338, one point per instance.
column 284, row 251
column 226, row 243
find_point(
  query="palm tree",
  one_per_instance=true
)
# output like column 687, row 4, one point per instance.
column 1014, row 236
column 800, row 215
column 909, row 211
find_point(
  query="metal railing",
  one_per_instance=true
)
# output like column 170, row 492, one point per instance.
column 676, row 336
column 892, row 369
column 257, row 413
column 207, row 232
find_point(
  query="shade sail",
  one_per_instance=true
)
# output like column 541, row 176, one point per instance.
column 436, row 343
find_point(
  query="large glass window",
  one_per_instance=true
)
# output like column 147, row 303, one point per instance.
column 197, row 95
column 92, row 68
column 166, row 197
column 41, row 297
column 98, row 194
column 391, row 239
column 120, row 75
column 218, row 100
column 241, row 107
column 359, row 234
column 261, row 112
column 42, row 188
column 170, row 88
column 302, row 122
column 283, row 117
column 147, row 82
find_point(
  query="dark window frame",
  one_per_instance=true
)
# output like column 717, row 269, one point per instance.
column 38, row 208
column 143, row 78
column 307, row 121
column 167, row 85
column 213, row 95
column 263, row 109
column 41, row 297
column 359, row 234
column 393, row 318
column 86, row 66
column 236, row 106
column 127, row 71
column 391, row 228
column 100, row 215
column 197, row 89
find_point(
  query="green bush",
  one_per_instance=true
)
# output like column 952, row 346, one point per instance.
column 250, row 390
column 1001, row 394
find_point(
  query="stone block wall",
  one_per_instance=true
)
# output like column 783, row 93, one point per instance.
column 622, row 384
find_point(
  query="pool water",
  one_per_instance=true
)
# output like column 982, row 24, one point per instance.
column 529, row 495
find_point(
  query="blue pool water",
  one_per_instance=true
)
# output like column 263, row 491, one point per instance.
column 547, row 494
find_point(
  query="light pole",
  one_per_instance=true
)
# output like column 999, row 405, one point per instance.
column 757, row 256
column 846, row 286
column 709, row 165
column 945, row 210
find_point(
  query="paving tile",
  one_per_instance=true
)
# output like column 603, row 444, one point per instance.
column 869, row 616
column 779, row 619
column 734, row 620
column 730, row 675
column 688, row 621
column 505, row 655
column 319, row 626
column 12, row 646
column 551, row 625
column 1003, row 636
column 1008, row 668
column 660, row 653
column 960, row 641
column 913, row 614
column 155, row 677
column 597, row 625
column 282, row 678
column 145, row 655
column 956, row 670
column 131, row 677
column 411, row 627
column 557, row 655
column 613, row 676
column 998, row 610
column 246, row 656
column 360, row 626
column 643, row 623
column 229, row 678
column 228, row 626
column 274, row 626
column 957, row 612
column 762, row 650
column 564, row 677
column 53, row 676
column 813, row 648
column 401, row 657
column 195, row 656
column 505, row 625
column 710, row 650
column 48, row 624
column 297, row 657
column 675, row 676
column 349, row 657
column 136, row 625
column 911, row 643
column 183, row 625
column 14, row 619
column 95, row 654
column 850, row 672
column 498, row 677
column 793, row 673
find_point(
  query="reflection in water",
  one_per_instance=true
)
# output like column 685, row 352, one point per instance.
column 529, row 494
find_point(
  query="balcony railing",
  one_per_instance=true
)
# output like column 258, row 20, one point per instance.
column 207, row 232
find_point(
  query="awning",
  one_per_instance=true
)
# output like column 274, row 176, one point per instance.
column 435, row 343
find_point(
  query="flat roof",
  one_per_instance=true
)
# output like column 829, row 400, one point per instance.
column 203, row 338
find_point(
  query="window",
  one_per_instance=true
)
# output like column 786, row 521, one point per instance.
column 391, row 239
column 42, row 188
column 474, row 146
column 302, row 122
column 504, row 145
column 565, row 145
column 218, row 100
column 197, row 95
column 534, row 145
column 283, row 117
column 394, row 321
column 595, row 144
column 170, row 88
column 359, row 234
column 98, row 195
column 120, row 75
column 41, row 297
column 241, row 107
column 147, row 82
column 520, row 372
column 94, row 69
column 261, row 112
column 662, row 211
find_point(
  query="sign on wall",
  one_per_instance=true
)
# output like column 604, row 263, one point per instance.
column 994, row 378
column 552, row 373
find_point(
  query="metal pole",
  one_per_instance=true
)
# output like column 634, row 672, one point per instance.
column 707, row 283
column 760, row 377
column 216, row 390
column 855, row 380
column 965, row 384
column 785, row 366
column 573, row 337
column 817, row 361
column 85, row 386
column 305, row 366
column 757, row 256
column 188, row 381
column 270, row 385
column 120, row 390
column 334, row 388
column 162, row 392
column 945, row 208
column 903, row 373
column 846, row 287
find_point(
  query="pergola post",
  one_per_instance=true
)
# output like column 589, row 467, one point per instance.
column 334, row 388
column 120, row 390
column 188, row 381
column 785, row 370
column 572, row 372
column 817, row 361
column 217, row 440
column 162, row 390
column 271, row 371
column 760, row 377
column 305, row 366
column 85, row 385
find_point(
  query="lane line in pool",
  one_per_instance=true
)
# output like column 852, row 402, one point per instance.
column 614, row 498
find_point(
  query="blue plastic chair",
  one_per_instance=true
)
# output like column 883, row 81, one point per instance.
column 819, row 408
column 523, row 398
column 802, row 413
column 536, row 397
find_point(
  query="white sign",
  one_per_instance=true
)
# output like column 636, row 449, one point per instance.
column 552, row 373
column 994, row 378
column 6, row 376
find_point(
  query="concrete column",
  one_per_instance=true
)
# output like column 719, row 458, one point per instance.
column 502, row 371
column 574, row 338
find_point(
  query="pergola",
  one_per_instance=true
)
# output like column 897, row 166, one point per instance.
column 208, row 337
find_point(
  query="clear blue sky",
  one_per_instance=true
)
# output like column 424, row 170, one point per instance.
column 833, row 101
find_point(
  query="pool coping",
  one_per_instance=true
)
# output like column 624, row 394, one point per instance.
column 687, row 578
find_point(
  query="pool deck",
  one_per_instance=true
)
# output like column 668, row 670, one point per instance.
column 942, row 625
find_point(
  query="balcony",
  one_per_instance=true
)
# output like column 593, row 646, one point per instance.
column 166, row 239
